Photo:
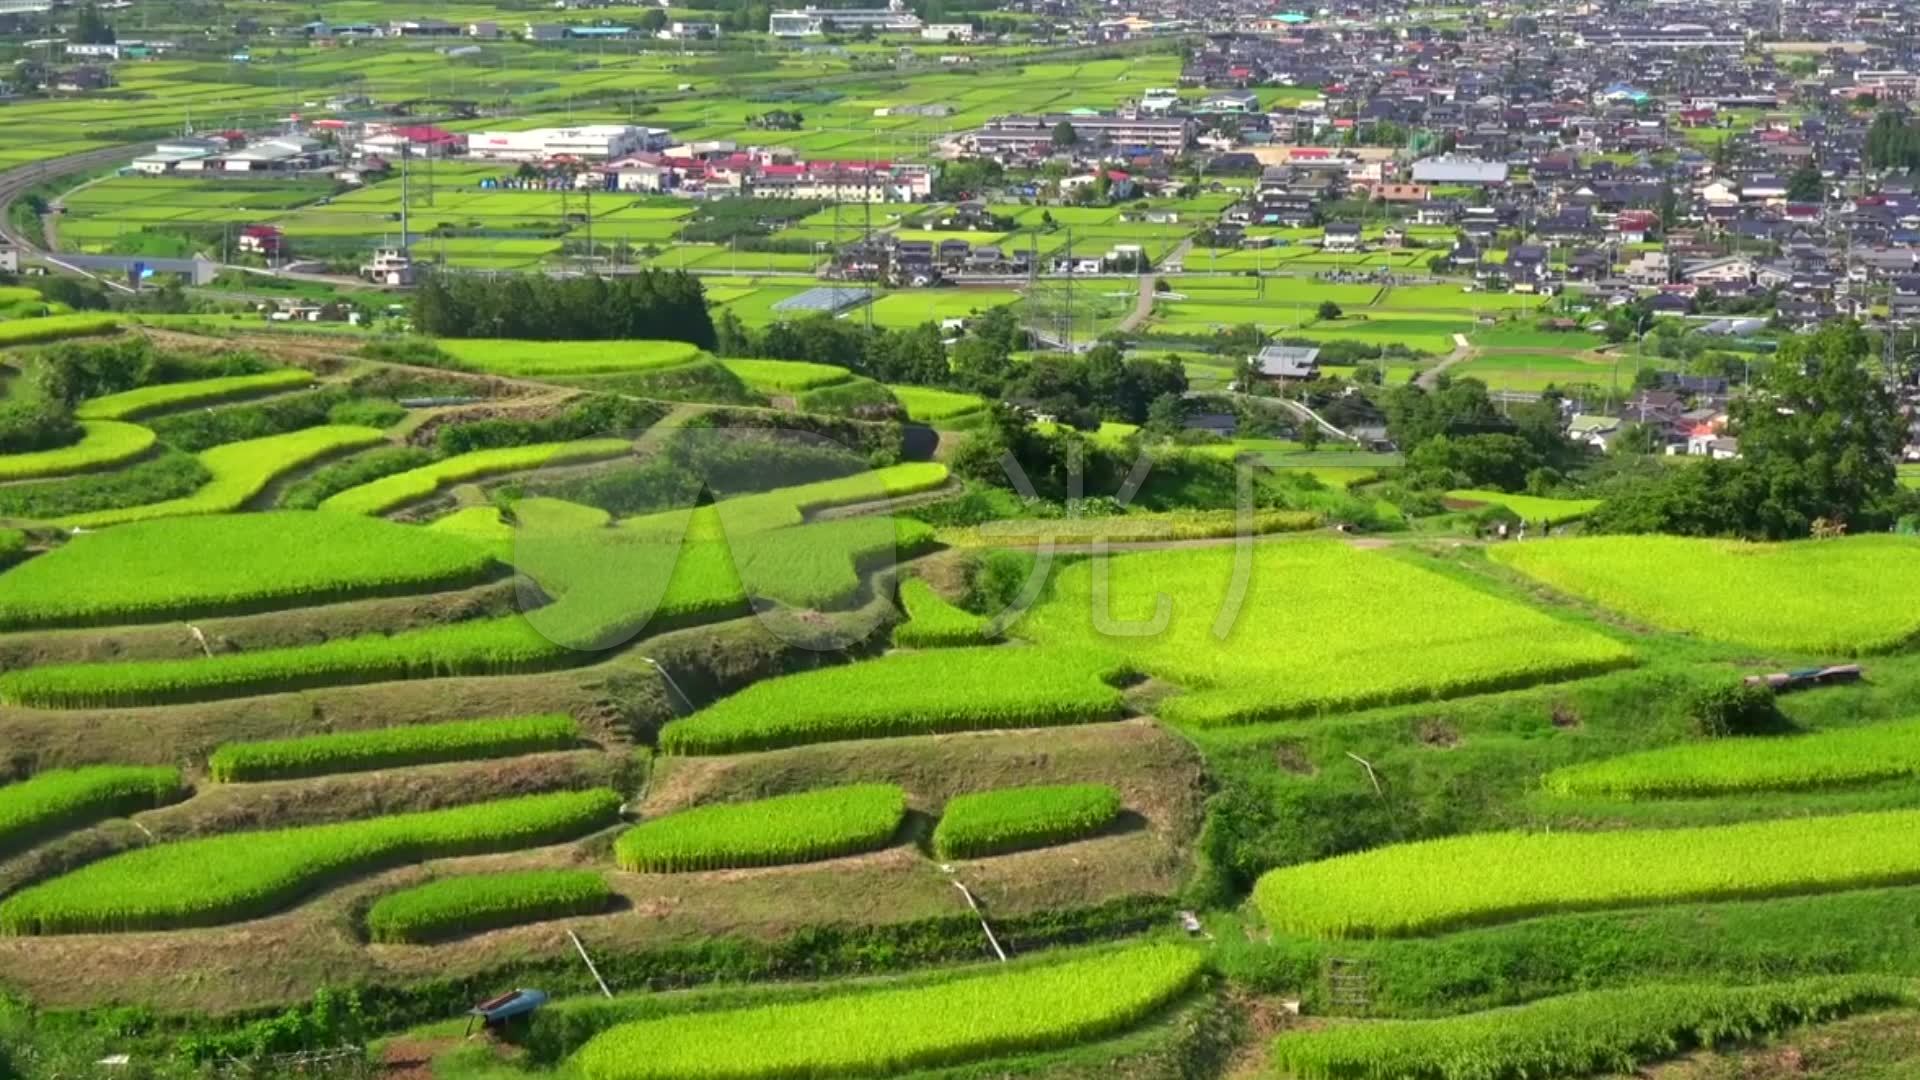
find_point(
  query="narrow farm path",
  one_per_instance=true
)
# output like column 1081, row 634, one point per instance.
column 1462, row 351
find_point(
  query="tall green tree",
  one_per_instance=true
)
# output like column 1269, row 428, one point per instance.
column 1806, row 185
column 91, row 28
column 1819, row 437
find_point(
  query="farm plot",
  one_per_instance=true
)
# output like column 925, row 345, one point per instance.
column 1525, row 335
column 236, row 876
column 389, row 748
column 905, row 694
column 1447, row 639
column 1453, row 298
column 1537, row 371
column 1437, row 885
column 392, row 492
column 1424, row 334
column 61, row 799
column 230, row 564
column 1529, row 507
column 1014, row 819
column 240, row 470
column 479, row 647
column 498, row 356
column 1732, row 766
column 1847, row 596
column 787, row 376
column 1602, row 1031
column 883, row 1032
column 614, row 586
column 906, row 309
column 158, row 398
column 931, row 406
column 54, row 328
column 471, row 903
column 789, row 505
column 804, row 827
column 105, row 443
column 932, row 621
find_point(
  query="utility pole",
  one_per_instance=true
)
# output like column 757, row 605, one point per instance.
column 406, row 241
column 1067, row 338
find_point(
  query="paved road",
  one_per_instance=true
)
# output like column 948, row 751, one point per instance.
column 16, row 181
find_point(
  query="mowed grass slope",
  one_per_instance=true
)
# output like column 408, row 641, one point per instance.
column 1314, row 627
column 1829, row 597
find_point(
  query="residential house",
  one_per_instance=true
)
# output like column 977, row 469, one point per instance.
column 1287, row 363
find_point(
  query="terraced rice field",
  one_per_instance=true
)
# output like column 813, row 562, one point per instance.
column 1844, row 600
column 1190, row 616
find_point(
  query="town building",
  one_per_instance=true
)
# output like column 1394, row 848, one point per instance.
column 595, row 142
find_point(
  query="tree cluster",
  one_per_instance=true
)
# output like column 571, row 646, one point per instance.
column 661, row 304
column 91, row 28
column 1820, row 433
column 1893, row 141
column 1455, row 436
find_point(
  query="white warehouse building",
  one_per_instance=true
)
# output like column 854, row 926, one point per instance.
column 597, row 142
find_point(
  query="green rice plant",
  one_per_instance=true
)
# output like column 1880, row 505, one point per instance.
column 162, row 396
column 391, row 492
column 921, row 693
column 500, row 356
column 105, row 444
column 231, row 564
column 1528, row 507
column 200, row 429
column 1446, row 639
column 787, row 376
column 481, row 647
column 61, row 799
column 858, row 396
column 998, row 1012
column 821, row 564
column 1731, row 766
column 1436, row 885
column 309, row 491
column 1600, row 1031
column 807, row 827
column 611, row 585
column 235, row 876
column 929, row 405
column 470, row 903
column 164, row 475
column 13, row 543
column 789, row 505
column 481, row 524
column 541, row 513
column 933, row 622
column 1014, row 819
column 240, row 472
column 1840, row 597
column 54, row 328
column 1121, row 528
column 394, row 747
